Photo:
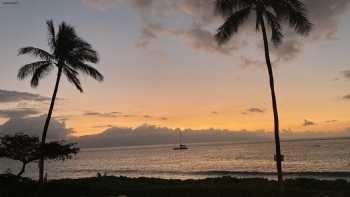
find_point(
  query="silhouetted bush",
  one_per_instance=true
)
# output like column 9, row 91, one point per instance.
column 27, row 149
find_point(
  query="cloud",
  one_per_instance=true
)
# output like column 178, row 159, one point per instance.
column 200, row 39
column 152, row 135
column 34, row 126
column 18, row 113
column 346, row 97
column 256, row 110
column 103, row 126
column 31, row 121
column 147, row 116
column 330, row 121
column 122, row 115
column 346, row 74
column 247, row 62
column 105, row 115
column 101, row 4
column 253, row 110
column 289, row 134
column 214, row 113
column 308, row 123
column 325, row 15
column 154, row 15
column 197, row 37
column 148, row 34
column 289, row 50
column 201, row 23
column 7, row 96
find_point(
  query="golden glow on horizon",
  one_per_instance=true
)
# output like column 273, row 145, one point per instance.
column 83, row 125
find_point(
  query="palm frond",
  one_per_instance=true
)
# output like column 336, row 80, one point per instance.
column 70, row 69
column 231, row 25
column 83, row 51
column 29, row 69
column 72, row 76
column 299, row 21
column 88, row 55
column 70, row 46
column 294, row 11
column 89, row 70
column 226, row 8
column 36, row 52
column 257, row 22
column 276, row 31
column 296, row 4
column 66, row 32
column 51, row 34
column 40, row 73
column 64, row 40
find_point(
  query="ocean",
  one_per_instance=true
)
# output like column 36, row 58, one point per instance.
column 321, row 159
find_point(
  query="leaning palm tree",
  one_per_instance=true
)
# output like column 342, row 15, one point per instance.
column 69, row 54
column 274, row 12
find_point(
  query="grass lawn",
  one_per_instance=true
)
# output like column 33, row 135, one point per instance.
column 110, row 186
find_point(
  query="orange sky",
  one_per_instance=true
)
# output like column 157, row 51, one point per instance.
column 179, row 77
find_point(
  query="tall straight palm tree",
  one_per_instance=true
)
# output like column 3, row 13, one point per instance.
column 70, row 54
column 274, row 12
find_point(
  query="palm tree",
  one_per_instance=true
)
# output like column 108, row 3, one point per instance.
column 236, row 12
column 69, row 54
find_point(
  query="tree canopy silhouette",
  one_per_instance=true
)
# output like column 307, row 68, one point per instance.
column 274, row 12
column 70, row 54
column 27, row 149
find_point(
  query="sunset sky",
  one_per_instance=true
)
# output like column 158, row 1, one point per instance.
column 162, row 67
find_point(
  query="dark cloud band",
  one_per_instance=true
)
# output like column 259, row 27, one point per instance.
column 7, row 96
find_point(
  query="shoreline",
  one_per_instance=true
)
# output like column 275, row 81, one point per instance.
column 200, row 175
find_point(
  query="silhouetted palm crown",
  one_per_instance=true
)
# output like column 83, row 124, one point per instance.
column 67, row 52
column 236, row 12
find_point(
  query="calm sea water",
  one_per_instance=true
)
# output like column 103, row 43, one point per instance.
column 324, row 159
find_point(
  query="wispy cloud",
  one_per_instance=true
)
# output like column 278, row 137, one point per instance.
column 214, row 113
column 18, row 113
column 116, row 114
column 346, row 74
column 330, row 121
column 7, row 96
column 346, row 97
column 308, row 123
column 254, row 110
column 164, row 118
column 105, row 115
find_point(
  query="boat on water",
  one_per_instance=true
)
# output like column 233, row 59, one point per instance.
column 181, row 145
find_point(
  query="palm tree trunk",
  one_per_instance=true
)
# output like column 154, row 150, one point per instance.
column 278, row 156
column 46, row 126
column 22, row 169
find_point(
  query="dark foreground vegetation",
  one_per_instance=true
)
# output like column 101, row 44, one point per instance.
column 108, row 186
